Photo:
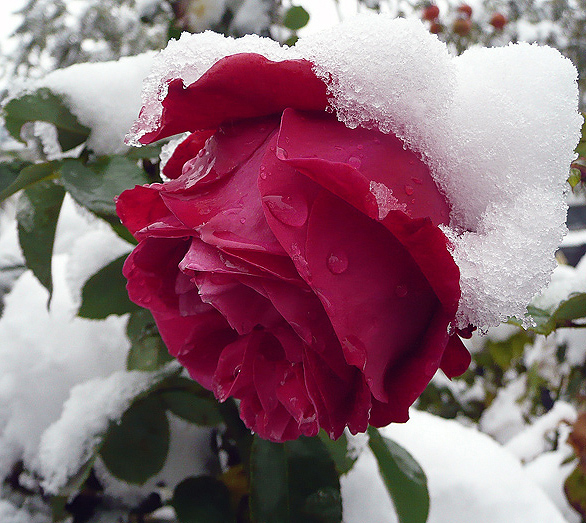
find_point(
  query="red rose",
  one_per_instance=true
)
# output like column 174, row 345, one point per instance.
column 293, row 263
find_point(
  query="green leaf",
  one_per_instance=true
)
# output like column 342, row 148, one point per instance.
column 269, row 486
column 37, row 216
column 338, row 450
column 571, row 309
column 202, row 500
column 145, row 152
column 291, row 41
column 192, row 407
column 581, row 148
column 575, row 490
column 9, row 172
column 105, row 293
column 314, row 485
column 96, row 184
column 30, row 175
column 575, row 177
column 45, row 106
column 136, row 448
column 504, row 353
column 405, row 480
column 295, row 18
column 147, row 349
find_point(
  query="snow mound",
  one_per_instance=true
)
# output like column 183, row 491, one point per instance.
column 470, row 478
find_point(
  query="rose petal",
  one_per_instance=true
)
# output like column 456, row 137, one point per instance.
column 144, row 214
column 151, row 270
column 239, row 86
column 185, row 151
column 321, row 147
column 227, row 213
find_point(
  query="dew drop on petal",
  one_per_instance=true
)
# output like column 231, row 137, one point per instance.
column 290, row 210
column 282, row 154
column 243, row 220
column 418, row 181
column 355, row 162
column 237, row 370
column 409, row 190
column 337, row 262
column 401, row 291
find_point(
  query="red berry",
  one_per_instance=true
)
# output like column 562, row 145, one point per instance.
column 462, row 26
column 466, row 10
column 435, row 28
column 431, row 12
column 498, row 20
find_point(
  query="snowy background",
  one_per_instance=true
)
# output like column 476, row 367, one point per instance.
column 63, row 379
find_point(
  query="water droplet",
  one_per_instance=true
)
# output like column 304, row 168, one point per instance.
column 401, row 291
column 337, row 262
column 290, row 210
column 237, row 370
column 338, row 148
column 418, row 181
column 409, row 190
column 360, row 147
column 413, row 201
column 243, row 220
column 282, row 154
column 355, row 162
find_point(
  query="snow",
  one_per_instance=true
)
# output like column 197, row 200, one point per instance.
column 45, row 353
column 470, row 478
column 497, row 127
column 87, row 413
column 103, row 96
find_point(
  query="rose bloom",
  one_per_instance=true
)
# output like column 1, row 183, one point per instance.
column 291, row 262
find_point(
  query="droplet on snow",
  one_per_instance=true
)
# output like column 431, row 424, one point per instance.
column 290, row 210
column 337, row 262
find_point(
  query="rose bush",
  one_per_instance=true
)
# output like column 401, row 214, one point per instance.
column 291, row 262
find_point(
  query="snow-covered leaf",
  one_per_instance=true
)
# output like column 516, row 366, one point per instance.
column 404, row 478
column 45, row 106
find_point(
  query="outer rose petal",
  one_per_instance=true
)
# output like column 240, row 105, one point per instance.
column 237, row 87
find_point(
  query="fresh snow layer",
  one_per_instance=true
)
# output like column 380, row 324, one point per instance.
column 470, row 478
column 87, row 413
column 497, row 127
column 104, row 97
